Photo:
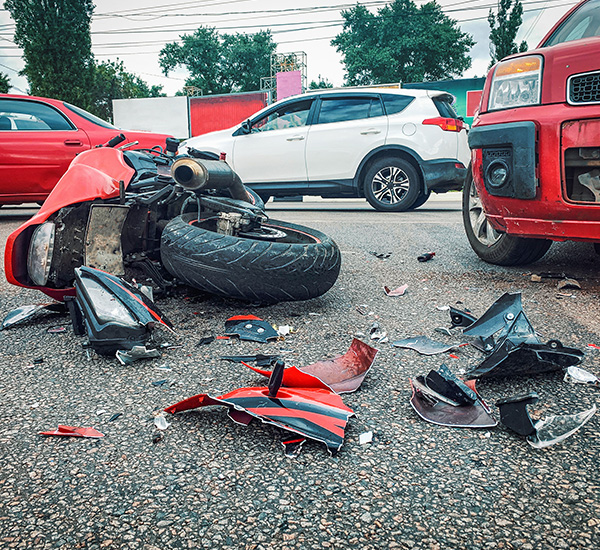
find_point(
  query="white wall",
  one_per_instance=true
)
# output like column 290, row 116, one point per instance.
column 166, row 115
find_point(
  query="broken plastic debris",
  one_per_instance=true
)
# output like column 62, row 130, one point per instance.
column 424, row 345
column 160, row 382
column 24, row 313
column 577, row 375
column 342, row 374
column 292, row 446
column 554, row 429
column 365, row 438
column 251, row 328
column 381, row 255
column 400, row 291
column 206, row 340
column 568, row 283
column 56, row 330
column 435, row 408
column 161, row 422
column 545, row 432
column 426, row 257
column 127, row 357
column 114, row 417
column 377, row 333
column 73, row 431
column 284, row 330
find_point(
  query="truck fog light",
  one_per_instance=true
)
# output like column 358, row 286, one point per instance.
column 497, row 173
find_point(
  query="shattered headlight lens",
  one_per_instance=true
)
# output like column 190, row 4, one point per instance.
column 106, row 306
column 516, row 83
column 39, row 257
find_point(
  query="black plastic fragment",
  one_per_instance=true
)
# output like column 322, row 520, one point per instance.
column 514, row 414
column 276, row 378
column 260, row 359
column 445, row 383
column 461, row 318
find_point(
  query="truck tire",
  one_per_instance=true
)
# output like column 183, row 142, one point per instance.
column 299, row 264
column 490, row 245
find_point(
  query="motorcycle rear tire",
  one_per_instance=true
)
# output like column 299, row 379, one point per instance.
column 302, row 266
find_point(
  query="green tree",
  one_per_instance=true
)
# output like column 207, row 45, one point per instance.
column 319, row 84
column 4, row 83
column 503, row 30
column 220, row 64
column 112, row 81
column 402, row 42
column 57, row 48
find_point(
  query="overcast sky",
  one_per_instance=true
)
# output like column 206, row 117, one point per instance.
column 136, row 35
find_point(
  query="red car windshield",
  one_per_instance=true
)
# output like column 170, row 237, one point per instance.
column 584, row 22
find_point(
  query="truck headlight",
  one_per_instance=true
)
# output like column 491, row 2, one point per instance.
column 516, row 83
column 40, row 253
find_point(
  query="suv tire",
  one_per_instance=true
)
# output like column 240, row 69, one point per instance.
column 391, row 184
column 490, row 245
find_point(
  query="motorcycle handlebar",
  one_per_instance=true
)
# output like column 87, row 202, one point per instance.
column 115, row 141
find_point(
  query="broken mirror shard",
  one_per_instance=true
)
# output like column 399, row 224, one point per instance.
column 314, row 413
column 342, row 374
column 546, row 432
column 424, row 345
column 251, row 328
column 114, row 314
column 512, row 344
column 73, row 431
column 577, row 375
column 22, row 314
column 442, row 410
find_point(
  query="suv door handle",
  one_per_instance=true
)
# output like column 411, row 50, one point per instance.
column 75, row 142
column 370, row 131
column 295, row 138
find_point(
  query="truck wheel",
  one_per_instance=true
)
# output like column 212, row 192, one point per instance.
column 491, row 245
column 285, row 262
column 391, row 185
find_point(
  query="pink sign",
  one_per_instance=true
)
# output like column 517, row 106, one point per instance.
column 288, row 83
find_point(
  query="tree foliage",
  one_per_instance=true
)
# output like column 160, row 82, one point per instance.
column 4, row 83
column 112, row 81
column 320, row 84
column 59, row 63
column 220, row 64
column 401, row 42
column 503, row 30
column 57, row 48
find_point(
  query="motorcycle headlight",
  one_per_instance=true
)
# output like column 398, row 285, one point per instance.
column 107, row 307
column 39, row 257
column 516, row 83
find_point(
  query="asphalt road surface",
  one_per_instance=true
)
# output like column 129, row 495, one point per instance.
column 210, row 483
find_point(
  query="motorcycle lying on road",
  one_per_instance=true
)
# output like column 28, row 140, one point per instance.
column 178, row 219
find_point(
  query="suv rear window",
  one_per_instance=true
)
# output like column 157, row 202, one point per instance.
column 583, row 23
column 342, row 109
column 444, row 106
column 396, row 103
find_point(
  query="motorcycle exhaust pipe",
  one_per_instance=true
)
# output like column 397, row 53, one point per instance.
column 199, row 174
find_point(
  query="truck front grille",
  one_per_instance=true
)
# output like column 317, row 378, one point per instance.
column 584, row 88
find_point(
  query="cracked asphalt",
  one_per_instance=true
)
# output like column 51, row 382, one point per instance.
column 206, row 482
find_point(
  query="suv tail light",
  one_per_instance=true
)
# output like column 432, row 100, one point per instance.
column 446, row 124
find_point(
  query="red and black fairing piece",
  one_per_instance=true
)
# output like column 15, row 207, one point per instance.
column 314, row 413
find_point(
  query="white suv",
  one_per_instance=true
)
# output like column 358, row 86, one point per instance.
column 391, row 146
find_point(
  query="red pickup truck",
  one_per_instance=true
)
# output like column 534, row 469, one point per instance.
column 535, row 160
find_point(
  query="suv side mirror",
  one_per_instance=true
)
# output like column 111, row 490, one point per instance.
column 246, row 127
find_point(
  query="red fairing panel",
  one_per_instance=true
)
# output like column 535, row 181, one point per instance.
column 94, row 174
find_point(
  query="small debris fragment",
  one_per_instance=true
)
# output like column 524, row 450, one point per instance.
column 442, row 308
column 577, row 375
column 568, row 283
column 381, row 255
column 161, row 423
column 362, row 309
column 114, row 417
column 205, row 341
column 400, row 291
column 160, row 382
column 158, row 436
column 38, row 361
column 365, row 438
column 426, row 257
column 127, row 357
column 56, row 330
column 73, row 431
column 536, row 278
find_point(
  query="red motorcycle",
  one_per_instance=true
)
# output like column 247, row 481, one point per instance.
column 179, row 219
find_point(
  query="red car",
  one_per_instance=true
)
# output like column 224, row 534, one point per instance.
column 40, row 137
column 535, row 143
